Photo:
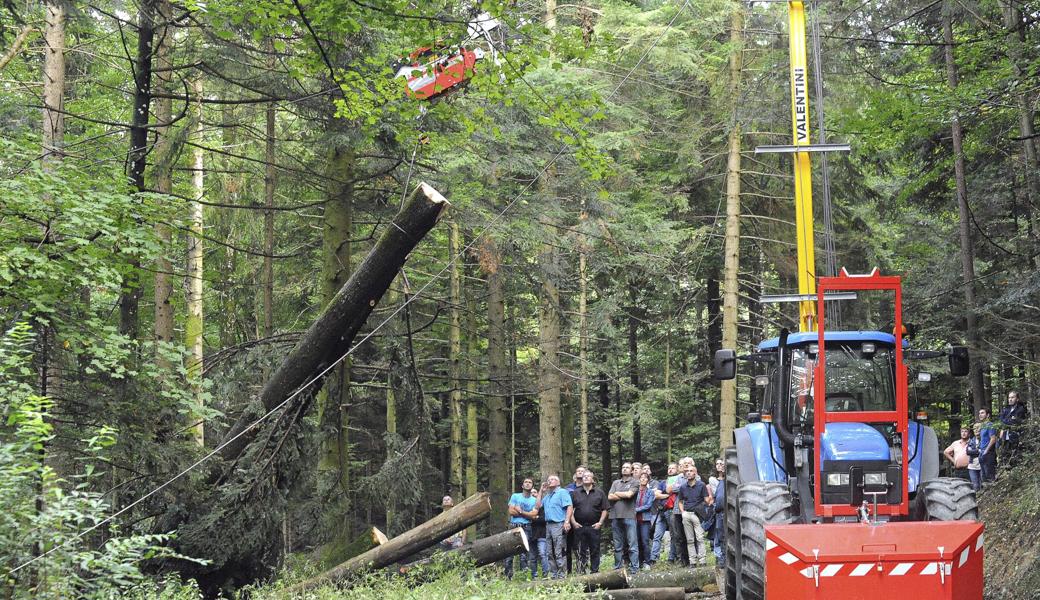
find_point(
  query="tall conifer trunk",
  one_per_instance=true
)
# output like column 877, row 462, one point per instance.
column 731, row 286
column 337, row 251
column 980, row 399
column 162, row 328
column 456, row 466
column 193, row 329
column 499, row 483
column 130, row 299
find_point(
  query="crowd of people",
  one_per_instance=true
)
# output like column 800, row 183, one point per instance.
column 680, row 515
column 973, row 455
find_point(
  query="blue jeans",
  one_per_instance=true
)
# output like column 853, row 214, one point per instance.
column 660, row 529
column 975, row 475
column 624, row 530
column 543, row 555
column 528, row 559
column 644, row 541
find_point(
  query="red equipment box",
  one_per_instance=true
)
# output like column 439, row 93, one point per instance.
column 928, row 560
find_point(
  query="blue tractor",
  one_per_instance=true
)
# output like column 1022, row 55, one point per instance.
column 832, row 487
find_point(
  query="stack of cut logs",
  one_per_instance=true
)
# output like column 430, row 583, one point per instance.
column 393, row 555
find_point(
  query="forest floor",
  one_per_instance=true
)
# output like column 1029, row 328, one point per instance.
column 1010, row 509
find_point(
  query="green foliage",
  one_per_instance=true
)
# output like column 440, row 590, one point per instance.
column 42, row 514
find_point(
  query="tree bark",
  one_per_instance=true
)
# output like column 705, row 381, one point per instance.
column 967, row 248
column 431, row 532
column 456, row 470
column 612, row 579
column 337, row 255
column 1018, row 54
column 691, row 580
column 604, row 428
column 270, row 184
column 193, row 324
column 583, row 339
column 499, row 483
column 550, row 447
column 53, row 83
column 731, row 285
column 675, row 593
column 368, row 539
column 130, row 298
column 633, row 369
column 333, row 332
column 484, row 551
column 472, row 405
column 162, row 173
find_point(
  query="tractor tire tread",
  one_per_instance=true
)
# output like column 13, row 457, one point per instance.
column 946, row 499
column 761, row 503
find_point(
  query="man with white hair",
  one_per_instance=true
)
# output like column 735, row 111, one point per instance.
column 558, row 512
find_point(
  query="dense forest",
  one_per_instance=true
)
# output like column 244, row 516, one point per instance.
column 187, row 185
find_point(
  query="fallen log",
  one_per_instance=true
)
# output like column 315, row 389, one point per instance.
column 666, row 593
column 613, row 579
column 332, row 334
column 473, row 509
column 692, row 580
column 484, row 551
column 334, row 554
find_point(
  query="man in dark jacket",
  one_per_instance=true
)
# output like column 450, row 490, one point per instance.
column 1012, row 418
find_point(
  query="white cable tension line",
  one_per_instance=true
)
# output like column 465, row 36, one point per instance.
column 492, row 223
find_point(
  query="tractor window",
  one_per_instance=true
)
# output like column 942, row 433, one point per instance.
column 855, row 381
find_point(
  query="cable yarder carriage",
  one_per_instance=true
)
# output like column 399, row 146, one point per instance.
column 832, row 491
column 435, row 72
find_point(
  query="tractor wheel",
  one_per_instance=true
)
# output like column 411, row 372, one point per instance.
column 761, row 503
column 946, row 499
column 732, row 522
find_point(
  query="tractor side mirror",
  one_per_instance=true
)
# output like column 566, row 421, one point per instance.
column 959, row 364
column 725, row 366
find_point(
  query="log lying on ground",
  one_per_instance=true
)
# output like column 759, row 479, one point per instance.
column 473, row 509
column 613, row 579
column 665, row 593
column 484, row 551
column 692, row 580
column 333, row 554
column 332, row 334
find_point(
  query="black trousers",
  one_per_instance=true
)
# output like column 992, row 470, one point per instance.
column 570, row 551
column 680, row 552
column 587, row 538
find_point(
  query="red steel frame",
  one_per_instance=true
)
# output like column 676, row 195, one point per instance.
column 872, row 282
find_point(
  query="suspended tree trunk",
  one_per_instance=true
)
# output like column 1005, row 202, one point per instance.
column 728, row 406
column 337, row 251
column 162, row 173
column 130, row 298
column 332, row 334
column 456, row 467
column 193, row 324
column 967, row 248
column 499, row 464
